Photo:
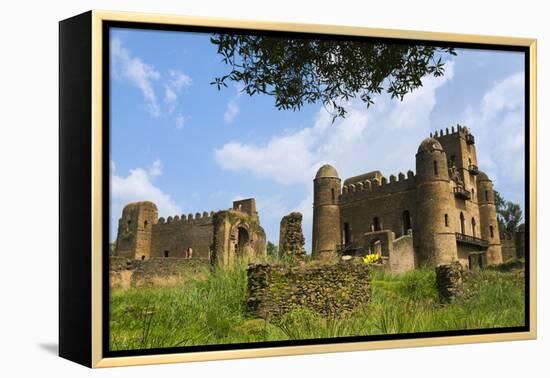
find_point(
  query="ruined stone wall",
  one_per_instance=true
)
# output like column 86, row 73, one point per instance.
column 128, row 273
column 331, row 290
column 509, row 248
column 402, row 256
column 176, row 235
column 291, row 237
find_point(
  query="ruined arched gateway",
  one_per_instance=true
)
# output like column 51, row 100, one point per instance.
column 216, row 236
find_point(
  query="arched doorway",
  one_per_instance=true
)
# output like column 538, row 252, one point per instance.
column 242, row 240
column 462, row 227
column 407, row 225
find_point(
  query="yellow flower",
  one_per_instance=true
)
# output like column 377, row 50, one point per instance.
column 371, row 259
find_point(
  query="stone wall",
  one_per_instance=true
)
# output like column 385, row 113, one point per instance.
column 183, row 237
column 127, row 273
column 291, row 237
column 332, row 290
column 509, row 251
column 402, row 257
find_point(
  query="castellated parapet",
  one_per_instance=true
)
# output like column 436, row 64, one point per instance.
column 446, row 209
column 215, row 236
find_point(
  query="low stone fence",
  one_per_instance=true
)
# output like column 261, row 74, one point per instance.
column 330, row 290
column 161, row 271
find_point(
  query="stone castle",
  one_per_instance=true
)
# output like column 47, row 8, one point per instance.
column 216, row 236
column 443, row 213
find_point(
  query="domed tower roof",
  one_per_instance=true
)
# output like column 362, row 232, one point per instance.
column 429, row 145
column 327, row 170
column 482, row 176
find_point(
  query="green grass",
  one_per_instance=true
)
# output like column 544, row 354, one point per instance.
column 211, row 310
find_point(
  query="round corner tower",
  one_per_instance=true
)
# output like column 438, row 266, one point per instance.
column 326, row 212
column 433, row 235
column 135, row 230
column 488, row 218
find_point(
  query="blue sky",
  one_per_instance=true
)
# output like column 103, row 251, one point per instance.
column 178, row 141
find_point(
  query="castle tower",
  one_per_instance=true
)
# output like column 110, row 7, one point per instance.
column 135, row 230
column 488, row 218
column 433, row 235
column 461, row 153
column 326, row 212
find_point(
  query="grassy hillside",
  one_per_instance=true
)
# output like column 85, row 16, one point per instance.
column 211, row 310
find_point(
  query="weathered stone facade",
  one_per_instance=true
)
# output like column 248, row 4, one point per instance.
column 212, row 236
column 171, row 271
column 513, row 245
column 291, row 237
column 449, row 280
column 447, row 209
column 331, row 290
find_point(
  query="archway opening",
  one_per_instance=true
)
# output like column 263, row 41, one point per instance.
column 242, row 240
column 462, row 227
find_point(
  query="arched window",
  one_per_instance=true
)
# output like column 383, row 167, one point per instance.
column 332, row 193
column 376, row 224
column 469, row 162
column 491, row 231
column 435, row 167
column 446, row 220
column 453, row 160
column 462, row 227
column 143, row 257
column 166, row 253
column 486, row 195
column 129, row 222
column 473, row 193
column 407, row 225
column 145, row 224
column 473, row 227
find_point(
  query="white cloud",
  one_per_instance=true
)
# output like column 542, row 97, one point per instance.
column 180, row 121
column 366, row 139
column 137, row 73
column 179, row 80
column 498, row 125
column 138, row 185
column 155, row 169
column 144, row 76
column 231, row 111
column 176, row 83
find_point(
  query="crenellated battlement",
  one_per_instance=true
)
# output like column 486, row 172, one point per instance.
column 458, row 130
column 197, row 218
column 378, row 186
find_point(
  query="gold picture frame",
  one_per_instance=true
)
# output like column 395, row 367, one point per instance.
column 83, row 276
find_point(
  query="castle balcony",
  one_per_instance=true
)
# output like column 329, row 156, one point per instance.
column 470, row 139
column 471, row 240
column 461, row 192
column 474, row 170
